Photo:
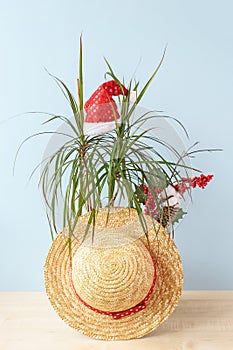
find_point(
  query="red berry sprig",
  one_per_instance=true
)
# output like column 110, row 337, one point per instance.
column 197, row 181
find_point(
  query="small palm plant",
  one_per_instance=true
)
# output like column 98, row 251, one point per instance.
column 123, row 165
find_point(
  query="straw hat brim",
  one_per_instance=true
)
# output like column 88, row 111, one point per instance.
column 163, row 301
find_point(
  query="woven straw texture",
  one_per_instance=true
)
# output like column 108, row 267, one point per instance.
column 115, row 279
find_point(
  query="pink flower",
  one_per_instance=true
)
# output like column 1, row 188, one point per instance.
column 150, row 205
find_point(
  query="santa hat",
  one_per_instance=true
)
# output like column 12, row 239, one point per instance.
column 101, row 109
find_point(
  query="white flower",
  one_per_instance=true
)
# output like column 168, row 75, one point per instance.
column 170, row 197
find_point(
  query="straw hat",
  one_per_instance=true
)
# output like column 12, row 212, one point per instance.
column 117, row 286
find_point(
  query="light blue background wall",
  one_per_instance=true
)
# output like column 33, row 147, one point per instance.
column 195, row 84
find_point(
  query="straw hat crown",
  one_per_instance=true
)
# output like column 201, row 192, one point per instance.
column 113, row 279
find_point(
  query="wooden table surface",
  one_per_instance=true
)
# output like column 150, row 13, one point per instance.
column 203, row 320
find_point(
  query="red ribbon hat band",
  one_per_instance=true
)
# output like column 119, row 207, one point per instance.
column 101, row 107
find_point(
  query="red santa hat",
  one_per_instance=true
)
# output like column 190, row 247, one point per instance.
column 101, row 109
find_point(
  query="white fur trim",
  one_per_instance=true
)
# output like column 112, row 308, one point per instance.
column 95, row 129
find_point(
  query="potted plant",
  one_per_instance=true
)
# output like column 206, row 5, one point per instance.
column 114, row 271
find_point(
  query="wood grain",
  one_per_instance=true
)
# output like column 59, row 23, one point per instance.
column 202, row 321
